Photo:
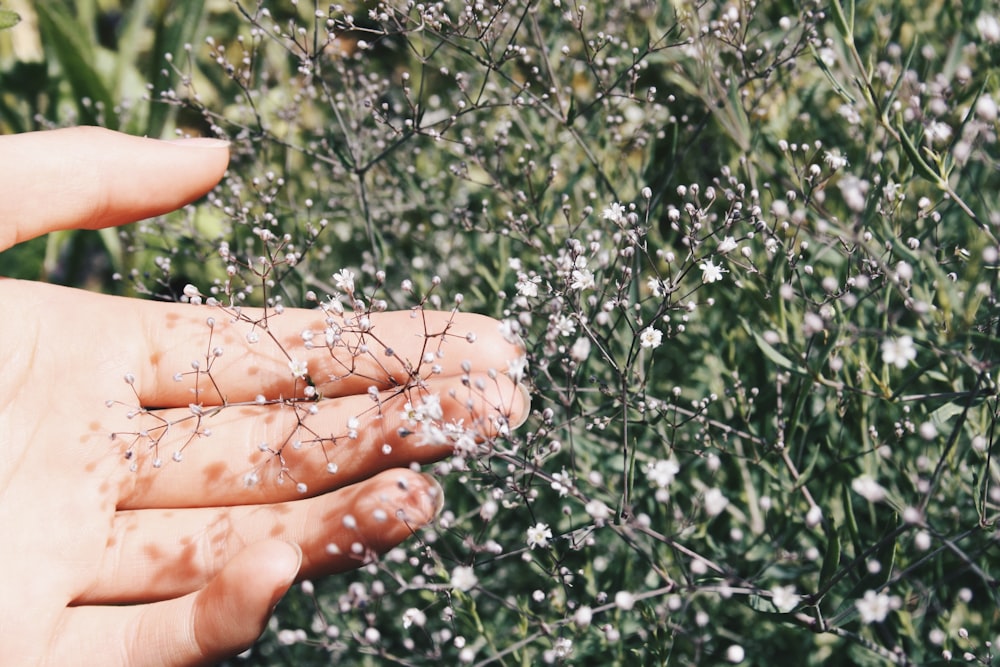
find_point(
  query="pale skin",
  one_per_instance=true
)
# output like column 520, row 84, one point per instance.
column 183, row 564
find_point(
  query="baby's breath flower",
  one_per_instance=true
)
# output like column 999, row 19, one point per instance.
column 580, row 350
column 562, row 647
column 784, row 598
column 866, row 487
column 615, row 212
column 599, row 511
column 581, row 278
column 715, row 501
column 344, row 280
column 898, row 351
column 834, row 160
column 624, row 600
column 300, row 369
column 855, row 192
column 814, row 516
column 875, row 607
column 527, row 286
column 464, row 578
column 661, row 472
column 414, row 616
column 650, row 338
column 583, row 616
column 710, row 273
column 656, row 287
column 539, row 535
column 516, row 368
column 938, row 133
column 728, row 244
column 988, row 26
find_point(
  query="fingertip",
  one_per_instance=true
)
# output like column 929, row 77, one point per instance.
column 372, row 517
column 233, row 609
column 520, row 409
column 423, row 501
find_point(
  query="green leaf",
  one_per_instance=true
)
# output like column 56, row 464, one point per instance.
column 831, row 559
column 8, row 19
column 844, row 26
column 944, row 414
column 771, row 353
column 761, row 603
column 173, row 31
column 64, row 37
column 920, row 165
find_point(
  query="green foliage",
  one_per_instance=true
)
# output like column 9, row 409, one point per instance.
column 8, row 19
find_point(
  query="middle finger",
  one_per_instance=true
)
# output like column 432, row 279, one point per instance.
column 248, row 453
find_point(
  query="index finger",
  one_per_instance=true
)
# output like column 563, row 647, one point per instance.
column 89, row 177
column 177, row 355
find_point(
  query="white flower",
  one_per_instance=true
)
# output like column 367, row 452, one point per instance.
column 580, row 350
column 516, row 368
column 624, row 600
column 581, row 277
column 854, row 190
column 583, row 616
column 937, row 133
column 431, row 434
column 661, row 473
column 429, row 408
column 986, row 109
column 784, row 598
column 988, row 26
column 728, row 244
column 874, row 607
column 812, row 323
column 834, row 159
column 814, row 516
column 849, row 113
column 735, row 654
column 563, row 647
column 598, row 510
column 463, row 578
column 866, row 487
column 344, row 280
column 898, row 351
column 710, row 273
column 414, row 616
column 539, row 535
column 564, row 326
column 299, row 369
column 650, row 338
column 715, row 501
column 526, row 286
column 614, row 212
column 509, row 330
column 657, row 287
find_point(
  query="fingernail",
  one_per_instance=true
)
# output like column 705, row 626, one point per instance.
column 426, row 504
column 523, row 415
column 199, row 142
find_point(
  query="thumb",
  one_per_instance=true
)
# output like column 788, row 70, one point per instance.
column 202, row 628
column 231, row 612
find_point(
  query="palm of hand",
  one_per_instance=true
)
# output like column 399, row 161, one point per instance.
column 110, row 566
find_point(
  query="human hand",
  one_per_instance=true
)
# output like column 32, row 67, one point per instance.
column 182, row 564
